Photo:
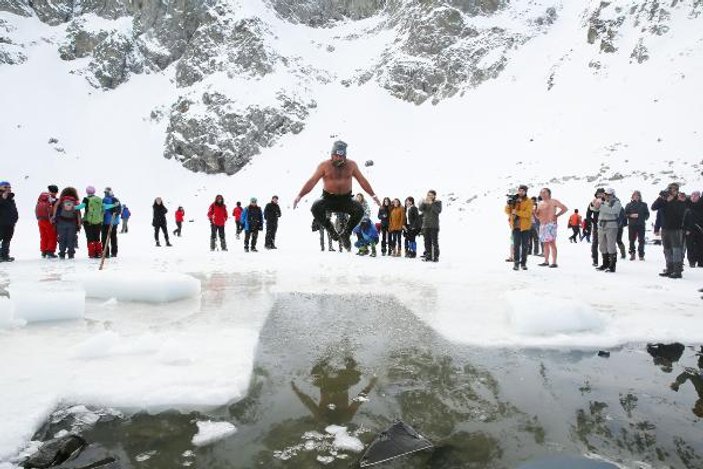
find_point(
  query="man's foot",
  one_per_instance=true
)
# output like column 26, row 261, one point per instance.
column 168, row 244
column 43, row 254
column 63, row 255
column 436, row 259
column 158, row 244
column 70, row 256
column 515, row 267
column 246, row 248
column 254, row 250
column 675, row 275
column 664, row 273
column 553, row 266
column 50, row 255
column 632, row 256
column 641, row 258
column 523, row 267
column 544, row 264
column 330, row 249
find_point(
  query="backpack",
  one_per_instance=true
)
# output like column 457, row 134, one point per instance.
column 94, row 211
column 68, row 209
column 44, row 208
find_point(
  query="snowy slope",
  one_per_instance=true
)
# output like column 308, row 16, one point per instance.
column 563, row 113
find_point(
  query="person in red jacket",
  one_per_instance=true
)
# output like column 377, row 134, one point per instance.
column 217, row 214
column 47, row 231
column 237, row 214
column 180, row 213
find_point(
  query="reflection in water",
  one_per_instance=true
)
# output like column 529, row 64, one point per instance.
column 334, row 406
column 665, row 355
column 696, row 378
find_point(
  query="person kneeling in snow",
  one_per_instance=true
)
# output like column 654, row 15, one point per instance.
column 367, row 236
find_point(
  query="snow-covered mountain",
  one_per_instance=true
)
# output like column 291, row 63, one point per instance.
column 237, row 79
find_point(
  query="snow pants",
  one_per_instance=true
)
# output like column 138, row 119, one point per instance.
column 608, row 238
column 47, row 236
column 343, row 203
column 694, row 247
column 67, row 237
column 161, row 227
column 636, row 233
column 271, row 229
column 113, row 239
column 431, row 243
column 6, row 234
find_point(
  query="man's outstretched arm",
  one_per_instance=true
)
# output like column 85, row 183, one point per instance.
column 365, row 184
column 317, row 175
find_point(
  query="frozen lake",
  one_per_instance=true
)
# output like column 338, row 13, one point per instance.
column 482, row 407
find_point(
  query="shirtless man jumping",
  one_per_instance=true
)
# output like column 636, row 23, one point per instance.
column 336, row 174
column 547, row 214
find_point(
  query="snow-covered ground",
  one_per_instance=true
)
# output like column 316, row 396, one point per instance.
column 640, row 121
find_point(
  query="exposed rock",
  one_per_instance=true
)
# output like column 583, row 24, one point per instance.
column 324, row 13
column 245, row 51
column 17, row 7
column 113, row 60
column 10, row 53
column 222, row 139
column 81, row 42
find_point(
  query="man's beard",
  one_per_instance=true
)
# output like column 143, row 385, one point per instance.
column 339, row 163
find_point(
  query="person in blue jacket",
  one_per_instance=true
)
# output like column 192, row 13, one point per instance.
column 253, row 222
column 112, row 216
column 125, row 219
column 367, row 237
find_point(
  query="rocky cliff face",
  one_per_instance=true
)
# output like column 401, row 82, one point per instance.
column 438, row 49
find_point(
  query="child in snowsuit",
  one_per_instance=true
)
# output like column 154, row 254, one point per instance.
column 367, row 237
column 67, row 217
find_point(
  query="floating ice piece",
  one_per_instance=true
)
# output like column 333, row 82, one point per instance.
column 541, row 314
column 147, row 287
column 209, row 432
column 343, row 440
column 47, row 301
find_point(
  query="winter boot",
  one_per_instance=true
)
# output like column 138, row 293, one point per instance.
column 158, row 244
column 668, row 271
column 346, row 241
column 363, row 250
column 632, row 256
column 212, row 244
column 678, row 268
column 331, row 248
column 606, row 262
column 373, row 250
column 43, row 254
column 50, row 255
column 223, row 244
column 611, row 265
column 168, row 243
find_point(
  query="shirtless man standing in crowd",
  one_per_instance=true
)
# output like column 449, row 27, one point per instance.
column 547, row 214
column 336, row 174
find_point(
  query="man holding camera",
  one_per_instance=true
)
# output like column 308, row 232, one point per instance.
column 673, row 212
column 519, row 207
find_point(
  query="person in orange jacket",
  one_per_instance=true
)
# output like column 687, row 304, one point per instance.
column 575, row 225
column 396, row 222
column 520, row 209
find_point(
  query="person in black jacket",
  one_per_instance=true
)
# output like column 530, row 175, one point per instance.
column 413, row 225
column 8, row 220
column 673, row 212
column 637, row 215
column 159, row 221
column 272, row 212
column 253, row 221
column 694, row 233
column 384, row 213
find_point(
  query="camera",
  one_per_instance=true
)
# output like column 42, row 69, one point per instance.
column 664, row 193
column 513, row 199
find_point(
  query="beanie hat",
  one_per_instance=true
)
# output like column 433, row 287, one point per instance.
column 339, row 148
column 53, row 189
column 523, row 187
column 5, row 183
column 252, row 200
column 108, row 190
column 90, row 190
column 610, row 191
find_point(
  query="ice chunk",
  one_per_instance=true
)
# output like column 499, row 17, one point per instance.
column 110, row 344
column 46, row 301
column 209, row 432
column 542, row 314
column 343, row 440
column 148, row 287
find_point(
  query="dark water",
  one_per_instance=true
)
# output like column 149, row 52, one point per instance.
column 483, row 408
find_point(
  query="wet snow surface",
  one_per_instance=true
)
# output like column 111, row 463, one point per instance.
column 308, row 378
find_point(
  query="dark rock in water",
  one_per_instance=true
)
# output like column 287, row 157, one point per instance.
column 55, row 452
column 92, row 457
column 74, row 420
column 604, row 354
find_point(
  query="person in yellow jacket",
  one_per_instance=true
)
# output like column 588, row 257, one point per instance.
column 520, row 209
